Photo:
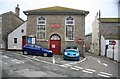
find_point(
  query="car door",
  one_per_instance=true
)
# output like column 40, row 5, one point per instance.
column 38, row 50
column 31, row 49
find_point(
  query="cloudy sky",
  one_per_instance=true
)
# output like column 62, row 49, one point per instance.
column 109, row 8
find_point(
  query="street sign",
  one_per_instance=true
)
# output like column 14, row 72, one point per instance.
column 112, row 42
column 80, row 40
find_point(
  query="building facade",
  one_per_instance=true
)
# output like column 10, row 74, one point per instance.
column 56, row 27
column 104, row 34
column 8, row 22
column 17, row 38
column 88, row 42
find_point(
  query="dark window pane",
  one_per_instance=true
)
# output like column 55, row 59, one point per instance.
column 15, row 40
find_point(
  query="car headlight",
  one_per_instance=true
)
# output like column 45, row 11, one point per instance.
column 65, row 53
column 50, row 51
column 77, row 54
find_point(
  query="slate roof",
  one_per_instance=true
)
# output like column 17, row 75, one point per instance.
column 56, row 10
column 10, row 12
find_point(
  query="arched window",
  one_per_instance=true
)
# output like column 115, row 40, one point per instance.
column 41, row 27
column 69, row 23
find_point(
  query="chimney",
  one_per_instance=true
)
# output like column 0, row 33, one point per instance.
column 17, row 10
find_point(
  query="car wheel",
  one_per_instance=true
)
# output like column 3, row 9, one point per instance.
column 45, row 54
column 25, row 52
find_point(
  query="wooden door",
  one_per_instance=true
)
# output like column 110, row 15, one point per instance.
column 55, row 44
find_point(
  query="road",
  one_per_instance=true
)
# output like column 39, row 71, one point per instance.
column 14, row 64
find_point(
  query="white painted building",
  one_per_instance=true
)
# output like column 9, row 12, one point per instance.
column 95, row 35
column 109, row 50
column 17, row 38
column 104, row 31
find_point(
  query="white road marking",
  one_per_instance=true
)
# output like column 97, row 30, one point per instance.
column 42, row 61
column 74, row 68
column 5, row 56
column 106, row 73
column 77, row 62
column 98, row 61
column 34, row 57
column 78, row 67
column 90, row 70
column 68, row 65
column 64, row 66
column 92, row 57
column 103, row 75
column 87, row 71
column 105, row 64
column 6, row 63
column 17, row 61
column 53, row 60
column 102, row 63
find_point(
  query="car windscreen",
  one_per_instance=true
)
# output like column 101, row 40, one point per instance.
column 71, row 50
column 72, row 47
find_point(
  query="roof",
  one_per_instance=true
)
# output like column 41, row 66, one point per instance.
column 90, row 34
column 112, row 37
column 110, row 20
column 13, row 14
column 56, row 10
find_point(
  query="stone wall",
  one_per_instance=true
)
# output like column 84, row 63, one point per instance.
column 79, row 27
column 9, row 23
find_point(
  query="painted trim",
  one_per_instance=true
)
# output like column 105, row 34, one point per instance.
column 38, row 30
column 73, row 28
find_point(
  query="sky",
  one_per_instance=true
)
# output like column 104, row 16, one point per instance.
column 108, row 8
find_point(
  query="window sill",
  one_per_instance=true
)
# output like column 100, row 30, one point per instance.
column 41, row 40
column 69, row 40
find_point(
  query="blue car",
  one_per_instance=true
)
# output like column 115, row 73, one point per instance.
column 71, row 53
column 35, row 49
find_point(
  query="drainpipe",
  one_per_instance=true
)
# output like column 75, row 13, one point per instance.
column 99, row 33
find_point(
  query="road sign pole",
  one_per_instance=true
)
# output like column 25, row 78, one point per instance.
column 113, row 52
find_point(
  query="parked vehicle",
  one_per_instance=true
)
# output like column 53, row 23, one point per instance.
column 71, row 53
column 35, row 49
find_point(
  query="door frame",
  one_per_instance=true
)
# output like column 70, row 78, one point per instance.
column 55, row 40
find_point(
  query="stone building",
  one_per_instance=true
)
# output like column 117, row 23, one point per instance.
column 88, row 42
column 105, row 31
column 56, row 27
column 9, row 21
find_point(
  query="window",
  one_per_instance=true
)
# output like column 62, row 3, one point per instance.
column 41, row 24
column 22, row 30
column 55, row 37
column 37, row 46
column 69, row 28
column 15, row 40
